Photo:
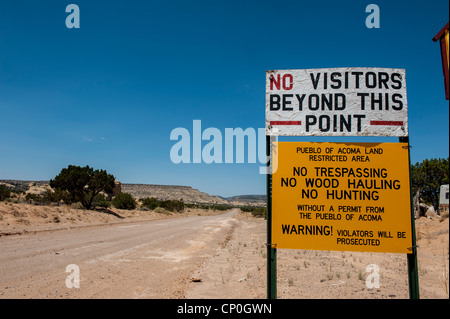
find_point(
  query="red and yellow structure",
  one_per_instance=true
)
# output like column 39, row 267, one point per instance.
column 442, row 36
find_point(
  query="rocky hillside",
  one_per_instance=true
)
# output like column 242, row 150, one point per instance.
column 257, row 199
column 161, row 192
column 164, row 192
column 23, row 186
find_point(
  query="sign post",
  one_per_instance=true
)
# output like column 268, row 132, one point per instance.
column 339, row 196
column 413, row 271
column 271, row 249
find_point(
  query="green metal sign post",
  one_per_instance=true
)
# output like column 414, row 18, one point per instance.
column 413, row 277
column 271, row 250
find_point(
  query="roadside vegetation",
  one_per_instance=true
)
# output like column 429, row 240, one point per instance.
column 427, row 178
column 84, row 187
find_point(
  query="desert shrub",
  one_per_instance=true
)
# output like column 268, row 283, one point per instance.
column 62, row 195
column 4, row 193
column 124, row 201
column 104, row 203
column 33, row 198
column 168, row 205
column 101, row 201
column 172, row 205
column 150, row 203
column 427, row 178
column 255, row 211
column 76, row 205
column 161, row 210
column 51, row 197
column 259, row 212
column 221, row 207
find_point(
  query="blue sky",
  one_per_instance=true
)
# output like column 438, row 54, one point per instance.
column 109, row 94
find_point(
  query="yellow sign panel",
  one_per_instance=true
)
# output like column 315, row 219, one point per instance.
column 341, row 196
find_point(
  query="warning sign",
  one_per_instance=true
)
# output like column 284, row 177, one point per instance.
column 341, row 196
column 336, row 102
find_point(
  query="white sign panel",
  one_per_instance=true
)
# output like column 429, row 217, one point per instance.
column 336, row 102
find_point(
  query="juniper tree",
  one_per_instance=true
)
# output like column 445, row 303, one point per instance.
column 83, row 183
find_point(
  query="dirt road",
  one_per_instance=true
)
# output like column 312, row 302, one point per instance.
column 149, row 259
column 149, row 255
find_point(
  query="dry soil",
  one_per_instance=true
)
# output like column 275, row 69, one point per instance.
column 196, row 254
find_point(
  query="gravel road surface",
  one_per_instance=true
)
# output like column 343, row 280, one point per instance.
column 149, row 259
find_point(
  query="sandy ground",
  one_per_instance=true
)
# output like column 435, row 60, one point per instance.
column 239, row 269
column 223, row 256
column 27, row 218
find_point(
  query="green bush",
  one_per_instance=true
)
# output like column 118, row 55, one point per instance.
column 124, row 201
column 221, row 207
column 168, row 205
column 4, row 193
column 62, row 195
column 77, row 205
column 161, row 210
column 51, row 197
column 150, row 203
column 172, row 205
column 255, row 211
column 427, row 178
column 101, row 201
column 33, row 198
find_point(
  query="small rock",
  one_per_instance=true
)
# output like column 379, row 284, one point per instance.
column 196, row 280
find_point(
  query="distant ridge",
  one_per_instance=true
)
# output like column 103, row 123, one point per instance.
column 247, row 198
column 20, row 185
column 161, row 192
column 173, row 192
